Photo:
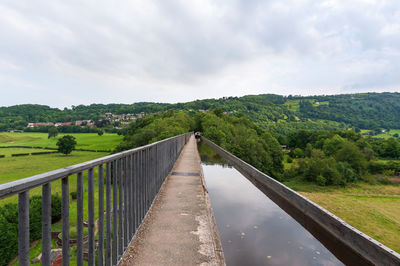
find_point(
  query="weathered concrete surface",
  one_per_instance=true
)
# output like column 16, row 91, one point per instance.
column 180, row 228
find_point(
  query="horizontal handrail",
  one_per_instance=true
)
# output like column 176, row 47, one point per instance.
column 349, row 244
column 28, row 183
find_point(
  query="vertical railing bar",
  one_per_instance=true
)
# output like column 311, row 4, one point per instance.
column 120, row 209
column 46, row 224
column 144, row 182
column 142, row 187
column 130, row 200
column 147, row 179
column 91, row 217
column 115, row 215
column 125, row 184
column 108, row 215
column 65, row 220
column 79, row 220
column 100, row 224
column 153, row 172
column 23, row 228
column 136, row 185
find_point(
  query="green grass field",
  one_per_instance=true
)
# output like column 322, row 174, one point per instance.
column 384, row 135
column 14, row 168
column 372, row 209
column 89, row 141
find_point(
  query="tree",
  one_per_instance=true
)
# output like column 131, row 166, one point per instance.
column 350, row 153
column 298, row 153
column 53, row 132
column 66, row 144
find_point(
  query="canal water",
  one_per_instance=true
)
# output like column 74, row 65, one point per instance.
column 253, row 229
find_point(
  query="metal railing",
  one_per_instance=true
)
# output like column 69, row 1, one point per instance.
column 132, row 181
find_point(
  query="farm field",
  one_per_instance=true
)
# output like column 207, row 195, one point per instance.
column 384, row 135
column 372, row 209
column 14, row 168
column 90, row 141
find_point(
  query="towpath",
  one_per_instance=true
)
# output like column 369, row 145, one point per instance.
column 180, row 227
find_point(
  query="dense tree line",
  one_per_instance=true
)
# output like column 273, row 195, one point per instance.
column 237, row 134
column 280, row 114
column 337, row 158
column 367, row 111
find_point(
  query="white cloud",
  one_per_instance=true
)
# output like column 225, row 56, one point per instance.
column 101, row 51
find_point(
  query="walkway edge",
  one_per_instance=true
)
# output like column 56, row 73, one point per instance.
column 219, row 252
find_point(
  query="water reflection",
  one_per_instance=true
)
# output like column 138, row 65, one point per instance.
column 253, row 229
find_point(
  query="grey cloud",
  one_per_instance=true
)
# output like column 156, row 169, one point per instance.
column 167, row 50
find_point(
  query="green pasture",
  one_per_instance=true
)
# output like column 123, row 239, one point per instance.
column 14, row 168
column 384, row 135
column 389, row 134
column 89, row 141
column 372, row 209
column 293, row 105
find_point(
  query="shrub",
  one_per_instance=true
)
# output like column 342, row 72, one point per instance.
column 9, row 224
column 55, row 208
column 298, row 153
column 8, row 233
column 43, row 152
column 19, row 154
column 2, row 156
column 321, row 180
column 73, row 195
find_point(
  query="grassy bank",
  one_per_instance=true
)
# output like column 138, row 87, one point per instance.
column 372, row 209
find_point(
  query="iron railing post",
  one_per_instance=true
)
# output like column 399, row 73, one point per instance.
column 46, row 224
column 100, row 223
column 65, row 220
column 79, row 220
column 23, row 228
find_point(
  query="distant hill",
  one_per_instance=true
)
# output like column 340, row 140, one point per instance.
column 274, row 112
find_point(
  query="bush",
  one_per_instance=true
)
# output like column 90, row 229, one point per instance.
column 73, row 195
column 9, row 224
column 2, row 156
column 43, row 152
column 321, row 181
column 55, row 208
column 19, row 154
column 289, row 159
column 8, row 233
column 298, row 153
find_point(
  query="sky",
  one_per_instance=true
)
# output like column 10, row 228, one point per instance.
column 63, row 53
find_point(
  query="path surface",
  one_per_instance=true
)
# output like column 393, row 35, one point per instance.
column 180, row 228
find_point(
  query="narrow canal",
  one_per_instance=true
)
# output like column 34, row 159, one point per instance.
column 252, row 228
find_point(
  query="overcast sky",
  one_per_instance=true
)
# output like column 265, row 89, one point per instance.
column 63, row 53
